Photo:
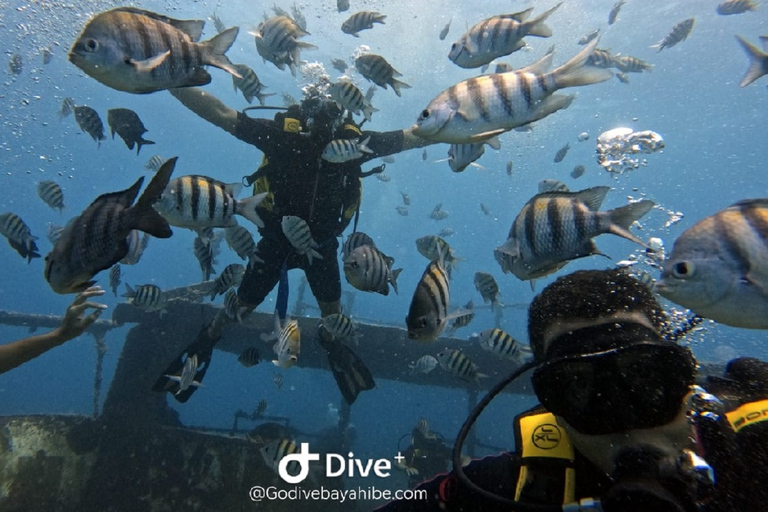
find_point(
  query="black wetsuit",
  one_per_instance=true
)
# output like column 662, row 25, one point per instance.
column 738, row 454
column 300, row 183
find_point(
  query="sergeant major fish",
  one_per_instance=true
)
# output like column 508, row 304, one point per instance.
column 296, row 230
column 355, row 240
column 758, row 61
column 114, row 278
column 481, row 107
column 497, row 36
column 96, row 239
column 460, row 156
column 126, row 123
column 556, row 227
column 137, row 243
column 249, row 84
column 230, row 277
column 343, row 150
column 206, row 252
column 240, row 240
column 346, row 94
column 148, row 297
column 89, row 121
column 502, row 344
column 361, row 21
column 277, row 41
column 488, row 288
column 455, row 362
column 614, row 14
column 428, row 312
column 139, row 51
column 735, row 7
column 718, row 268
column 562, row 152
column 679, row 32
column 434, row 247
column 19, row 236
column 341, row 327
column 370, row 270
column 424, row 364
column 186, row 377
column 376, row 69
column 50, row 192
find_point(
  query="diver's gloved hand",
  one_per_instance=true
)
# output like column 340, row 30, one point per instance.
column 642, row 495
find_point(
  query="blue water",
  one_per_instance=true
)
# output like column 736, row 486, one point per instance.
column 714, row 156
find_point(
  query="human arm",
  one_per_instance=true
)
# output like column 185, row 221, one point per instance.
column 207, row 106
column 75, row 322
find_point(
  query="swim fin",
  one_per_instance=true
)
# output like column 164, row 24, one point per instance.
column 350, row 372
column 202, row 347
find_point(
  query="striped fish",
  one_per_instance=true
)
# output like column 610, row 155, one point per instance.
column 186, row 377
column 139, row 51
column 479, row 108
column 343, row 150
column 199, row 202
column 54, row 233
column 427, row 315
column 277, row 41
column 241, row 241
column 148, row 297
column 679, row 32
column 455, row 362
column 341, row 327
column 296, row 230
column 137, row 244
column 488, row 288
column 361, row 21
column 497, row 36
column 230, row 277
column 355, row 240
column 376, row 69
column 556, row 227
column 249, row 357
column 502, row 344
column 758, row 60
column 370, row 270
column 460, row 156
column 614, row 14
column 218, row 24
column 463, row 320
column 67, row 107
column 735, row 7
column 433, row 248
column 249, row 84
column 346, row 94
column 19, row 236
column 288, row 344
column 233, row 309
column 114, row 278
column 424, row 364
column 718, row 268
column 602, row 58
column 629, row 64
column 274, row 452
column 96, row 239
column 50, row 192
column 342, row 5
column 154, row 163
column 444, row 32
column 89, row 121
column 206, row 251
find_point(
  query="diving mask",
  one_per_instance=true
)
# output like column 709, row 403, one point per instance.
column 633, row 386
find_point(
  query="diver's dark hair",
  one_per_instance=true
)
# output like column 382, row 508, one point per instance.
column 588, row 295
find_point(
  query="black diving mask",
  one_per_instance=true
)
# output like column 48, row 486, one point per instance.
column 615, row 389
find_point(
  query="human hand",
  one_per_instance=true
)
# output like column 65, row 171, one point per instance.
column 75, row 322
column 411, row 471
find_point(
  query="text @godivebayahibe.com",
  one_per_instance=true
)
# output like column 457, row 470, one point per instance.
column 335, row 466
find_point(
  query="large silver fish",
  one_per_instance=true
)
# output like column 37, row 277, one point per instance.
column 479, row 108
column 428, row 313
column 497, row 36
column 139, row 51
column 556, row 227
column 97, row 238
column 719, row 267
column 369, row 270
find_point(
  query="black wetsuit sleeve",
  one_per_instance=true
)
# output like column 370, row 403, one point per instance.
column 262, row 133
column 382, row 144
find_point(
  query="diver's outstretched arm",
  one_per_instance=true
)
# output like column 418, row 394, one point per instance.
column 207, row 106
column 411, row 141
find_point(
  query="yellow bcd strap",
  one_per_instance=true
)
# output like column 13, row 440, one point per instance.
column 748, row 414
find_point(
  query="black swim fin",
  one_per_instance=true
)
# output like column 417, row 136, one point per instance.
column 202, row 347
column 350, row 372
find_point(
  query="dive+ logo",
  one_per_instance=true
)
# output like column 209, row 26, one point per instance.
column 335, row 465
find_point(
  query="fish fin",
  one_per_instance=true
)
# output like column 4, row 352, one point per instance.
column 533, row 285
column 247, row 208
column 363, row 146
column 193, row 28
column 576, row 72
column 393, row 278
column 142, row 142
column 397, row 85
column 234, row 189
column 147, row 65
column 482, row 137
column 474, row 164
column 519, row 16
column 550, row 105
column 758, row 62
column 592, row 197
column 622, row 218
column 494, row 142
column 313, row 254
column 539, row 28
column 216, row 47
column 129, row 292
column 146, row 218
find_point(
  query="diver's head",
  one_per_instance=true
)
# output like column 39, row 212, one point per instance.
column 605, row 367
column 321, row 116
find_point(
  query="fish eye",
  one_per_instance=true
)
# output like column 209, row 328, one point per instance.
column 682, row 269
column 91, row 45
column 424, row 114
column 423, row 322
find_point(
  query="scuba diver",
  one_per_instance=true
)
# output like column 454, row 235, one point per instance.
column 426, row 456
column 297, row 183
column 622, row 425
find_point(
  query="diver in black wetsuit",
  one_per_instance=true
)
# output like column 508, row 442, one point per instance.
column 297, row 182
column 622, row 426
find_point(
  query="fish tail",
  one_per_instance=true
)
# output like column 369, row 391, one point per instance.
column 538, row 27
column 576, row 72
column 217, row 46
column 368, row 110
column 247, row 208
column 142, row 142
column 146, row 218
column 758, row 62
column 397, row 85
column 622, row 218
column 393, row 281
column 363, row 146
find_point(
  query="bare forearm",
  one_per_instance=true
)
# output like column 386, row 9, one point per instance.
column 207, row 106
column 19, row 352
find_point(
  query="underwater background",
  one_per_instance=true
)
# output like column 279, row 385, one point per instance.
column 715, row 155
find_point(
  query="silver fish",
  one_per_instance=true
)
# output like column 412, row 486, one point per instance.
column 376, row 69
column 89, row 121
column 137, row 243
column 148, row 297
column 370, row 270
column 241, row 241
column 198, row 202
column 296, row 230
column 488, row 288
column 206, row 251
column 498, row 36
column 481, row 107
column 462, row 320
column 455, row 362
column 19, row 236
column 339, row 151
column 361, row 21
column 288, row 344
column 614, row 14
column 718, row 268
column 274, row 452
column 735, row 7
column 154, row 163
column 139, row 51
column 249, row 84
column 233, row 309
column 346, row 94
column 424, row 364
column 230, row 277
column 50, row 192
column 126, row 123
column 502, row 344
column 444, row 32
column 218, row 24
column 428, row 312
column 114, row 278
column 249, row 357
column 277, row 41
column 96, row 239
column 434, row 248
column 679, row 32
column 341, row 327
column 187, row 376
column 758, row 61
column 355, row 240
column 556, row 227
